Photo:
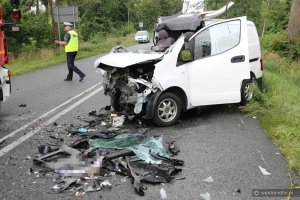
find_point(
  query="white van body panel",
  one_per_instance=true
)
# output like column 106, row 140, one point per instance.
column 216, row 79
column 254, row 50
column 211, row 80
column 168, row 75
column 5, row 83
column 253, row 45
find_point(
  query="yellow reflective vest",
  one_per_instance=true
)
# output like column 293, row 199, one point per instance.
column 73, row 44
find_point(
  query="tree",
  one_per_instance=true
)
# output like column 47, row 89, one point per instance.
column 252, row 9
column 294, row 22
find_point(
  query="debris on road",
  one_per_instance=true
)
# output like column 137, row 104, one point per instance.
column 264, row 171
column 163, row 193
column 22, row 105
column 103, row 148
column 118, row 121
column 173, row 148
column 209, row 180
column 238, row 190
column 82, row 130
column 205, row 196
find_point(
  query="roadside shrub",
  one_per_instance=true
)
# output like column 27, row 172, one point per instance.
column 123, row 30
column 278, row 43
column 294, row 52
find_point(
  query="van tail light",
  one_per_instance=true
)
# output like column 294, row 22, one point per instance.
column 261, row 64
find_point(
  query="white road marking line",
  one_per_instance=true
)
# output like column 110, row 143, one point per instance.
column 19, row 141
column 46, row 114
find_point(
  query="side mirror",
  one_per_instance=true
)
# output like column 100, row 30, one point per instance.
column 186, row 55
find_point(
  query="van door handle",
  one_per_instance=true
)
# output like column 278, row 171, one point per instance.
column 238, row 59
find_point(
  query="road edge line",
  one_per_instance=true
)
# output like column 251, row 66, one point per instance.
column 19, row 141
column 12, row 134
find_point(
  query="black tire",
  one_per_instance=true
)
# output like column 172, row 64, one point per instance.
column 167, row 110
column 246, row 91
column 115, row 100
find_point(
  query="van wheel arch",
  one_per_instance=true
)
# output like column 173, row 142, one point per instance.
column 181, row 94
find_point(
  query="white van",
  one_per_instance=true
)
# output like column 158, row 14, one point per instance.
column 5, row 87
column 215, row 66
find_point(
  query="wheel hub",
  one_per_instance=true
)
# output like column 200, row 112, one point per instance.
column 167, row 110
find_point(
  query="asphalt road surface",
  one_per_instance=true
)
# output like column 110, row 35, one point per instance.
column 217, row 141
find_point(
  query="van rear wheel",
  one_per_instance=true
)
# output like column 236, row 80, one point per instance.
column 247, row 91
column 167, row 110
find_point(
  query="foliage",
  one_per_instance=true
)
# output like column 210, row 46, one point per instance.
column 278, row 42
column 252, row 9
column 45, row 57
column 277, row 107
column 276, row 14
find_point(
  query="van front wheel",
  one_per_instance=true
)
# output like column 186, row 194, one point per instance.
column 167, row 110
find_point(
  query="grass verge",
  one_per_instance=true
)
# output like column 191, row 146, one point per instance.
column 43, row 58
column 278, row 106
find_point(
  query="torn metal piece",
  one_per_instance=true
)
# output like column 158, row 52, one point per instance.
column 117, row 154
column 156, row 173
column 141, row 99
column 45, row 149
column 93, row 186
column 174, row 162
column 136, row 180
column 64, row 185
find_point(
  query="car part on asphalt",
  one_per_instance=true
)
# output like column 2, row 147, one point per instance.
column 100, row 152
column 173, row 148
column 205, row 196
column 139, row 189
column 163, row 193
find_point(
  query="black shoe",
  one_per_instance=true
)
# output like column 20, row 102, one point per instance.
column 82, row 77
column 68, row 79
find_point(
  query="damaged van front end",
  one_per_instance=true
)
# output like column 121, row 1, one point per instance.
column 128, row 80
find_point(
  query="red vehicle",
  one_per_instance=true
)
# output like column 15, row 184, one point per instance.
column 5, row 74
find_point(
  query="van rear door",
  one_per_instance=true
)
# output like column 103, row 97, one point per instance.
column 220, row 62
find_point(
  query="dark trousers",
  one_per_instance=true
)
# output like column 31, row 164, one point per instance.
column 71, row 67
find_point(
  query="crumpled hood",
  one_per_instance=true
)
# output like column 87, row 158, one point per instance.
column 122, row 60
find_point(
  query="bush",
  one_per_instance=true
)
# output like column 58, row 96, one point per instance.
column 123, row 30
column 278, row 43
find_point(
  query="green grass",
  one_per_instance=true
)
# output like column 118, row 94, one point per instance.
column 278, row 106
column 43, row 58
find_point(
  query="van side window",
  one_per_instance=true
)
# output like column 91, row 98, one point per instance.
column 217, row 39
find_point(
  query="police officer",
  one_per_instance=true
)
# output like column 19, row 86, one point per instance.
column 71, row 44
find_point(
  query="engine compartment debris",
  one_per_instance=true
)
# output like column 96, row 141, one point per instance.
column 102, row 147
